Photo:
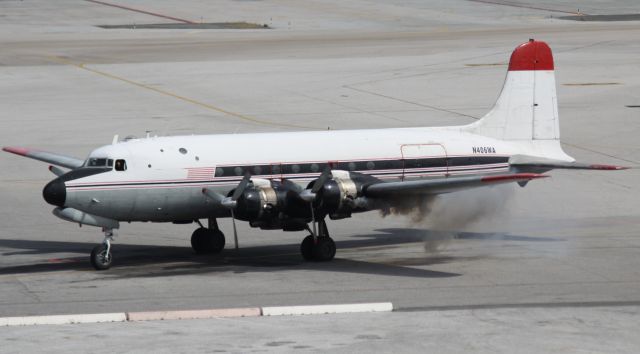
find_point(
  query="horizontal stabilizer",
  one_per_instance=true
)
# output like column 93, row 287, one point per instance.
column 49, row 157
column 525, row 163
column 443, row 185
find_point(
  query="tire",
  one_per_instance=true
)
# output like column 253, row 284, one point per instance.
column 216, row 241
column 205, row 241
column 199, row 240
column 100, row 260
column 306, row 248
column 324, row 250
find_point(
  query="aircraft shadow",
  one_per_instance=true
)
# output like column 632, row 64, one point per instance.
column 159, row 261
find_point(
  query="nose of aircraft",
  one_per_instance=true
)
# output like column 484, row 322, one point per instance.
column 55, row 192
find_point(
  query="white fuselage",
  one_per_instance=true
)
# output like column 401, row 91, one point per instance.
column 165, row 176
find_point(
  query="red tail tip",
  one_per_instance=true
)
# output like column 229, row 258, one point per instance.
column 608, row 167
column 531, row 55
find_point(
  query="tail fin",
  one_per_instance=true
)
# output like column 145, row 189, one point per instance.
column 526, row 113
column 527, row 108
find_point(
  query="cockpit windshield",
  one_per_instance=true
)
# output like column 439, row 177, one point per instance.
column 99, row 162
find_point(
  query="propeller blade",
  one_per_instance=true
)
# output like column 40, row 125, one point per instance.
column 56, row 170
column 235, row 231
column 241, row 187
column 324, row 176
column 213, row 195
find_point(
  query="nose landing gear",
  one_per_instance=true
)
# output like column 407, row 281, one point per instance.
column 101, row 257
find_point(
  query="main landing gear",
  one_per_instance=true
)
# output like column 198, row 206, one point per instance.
column 208, row 240
column 101, row 256
column 318, row 247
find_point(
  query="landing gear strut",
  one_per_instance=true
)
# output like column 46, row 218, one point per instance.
column 101, row 257
column 318, row 247
column 208, row 240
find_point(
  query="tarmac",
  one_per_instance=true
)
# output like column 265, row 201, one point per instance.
column 551, row 267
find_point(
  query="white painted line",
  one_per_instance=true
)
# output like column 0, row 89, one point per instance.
column 325, row 309
column 193, row 314
column 63, row 319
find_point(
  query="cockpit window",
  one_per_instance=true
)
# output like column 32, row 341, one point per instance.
column 121, row 165
column 99, row 162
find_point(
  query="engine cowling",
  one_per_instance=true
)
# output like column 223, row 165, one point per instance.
column 272, row 205
column 339, row 195
column 278, row 205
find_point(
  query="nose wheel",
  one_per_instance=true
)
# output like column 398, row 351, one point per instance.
column 101, row 256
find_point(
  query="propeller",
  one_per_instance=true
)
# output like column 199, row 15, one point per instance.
column 231, row 203
column 309, row 195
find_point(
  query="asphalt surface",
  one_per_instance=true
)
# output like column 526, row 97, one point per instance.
column 559, row 256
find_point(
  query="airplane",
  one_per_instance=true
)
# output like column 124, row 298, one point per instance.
column 294, row 181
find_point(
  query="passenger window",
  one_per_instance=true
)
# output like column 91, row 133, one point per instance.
column 121, row 165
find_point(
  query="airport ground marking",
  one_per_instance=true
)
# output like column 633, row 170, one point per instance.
column 524, row 6
column 83, row 66
column 141, row 11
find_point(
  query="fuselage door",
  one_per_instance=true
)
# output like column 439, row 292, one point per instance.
column 423, row 160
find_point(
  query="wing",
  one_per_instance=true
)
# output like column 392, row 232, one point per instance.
column 443, row 185
column 49, row 157
column 524, row 163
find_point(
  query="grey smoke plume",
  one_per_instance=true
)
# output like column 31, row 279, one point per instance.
column 444, row 216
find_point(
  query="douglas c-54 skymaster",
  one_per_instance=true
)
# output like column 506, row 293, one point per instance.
column 291, row 180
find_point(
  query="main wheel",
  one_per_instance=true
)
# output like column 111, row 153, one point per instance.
column 205, row 241
column 306, row 248
column 100, row 258
column 217, row 241
column 324, row 249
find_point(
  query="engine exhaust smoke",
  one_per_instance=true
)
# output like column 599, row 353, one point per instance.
column 443, row 217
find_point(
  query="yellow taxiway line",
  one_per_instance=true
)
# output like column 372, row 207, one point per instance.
column 243, row 117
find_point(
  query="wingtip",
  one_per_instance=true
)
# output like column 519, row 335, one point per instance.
column 16, row 150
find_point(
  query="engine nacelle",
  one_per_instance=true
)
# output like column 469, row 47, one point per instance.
column 338, row 196
column 258, row 201
column 278, row 205
column 273, row 205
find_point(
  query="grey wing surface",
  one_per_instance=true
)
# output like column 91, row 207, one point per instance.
column 49, row 157
column 443, row 185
